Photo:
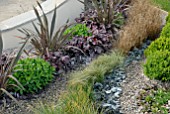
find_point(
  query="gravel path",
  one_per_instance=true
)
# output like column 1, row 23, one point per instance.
column 11, row 8
column 132, row 86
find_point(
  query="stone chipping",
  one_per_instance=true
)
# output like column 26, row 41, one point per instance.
column 118, row 93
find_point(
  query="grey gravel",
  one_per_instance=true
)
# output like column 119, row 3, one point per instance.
column 117, row 94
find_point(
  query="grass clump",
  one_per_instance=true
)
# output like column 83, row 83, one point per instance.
column 143, row 20
column 81, row 82
column 78, row 97
column 77, row 101
column 96, row 70
column 163, row 4
column 71, row 102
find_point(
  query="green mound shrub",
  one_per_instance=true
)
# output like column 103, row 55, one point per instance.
column 166, row 31
column 168, row 18
column 33, row 74
column 79, row 30
column 159, row 44
column 157, row 65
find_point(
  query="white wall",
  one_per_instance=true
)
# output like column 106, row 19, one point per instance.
column 69, row 10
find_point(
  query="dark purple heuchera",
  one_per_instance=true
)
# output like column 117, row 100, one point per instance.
column 58, row 60
column 91, row 20
column 101, row 39
column 66, row 59
column 86, row 49
column 93, row 45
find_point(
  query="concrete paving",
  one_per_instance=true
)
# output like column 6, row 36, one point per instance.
column 11, row 8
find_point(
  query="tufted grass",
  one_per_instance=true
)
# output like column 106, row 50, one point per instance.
column 144, row 20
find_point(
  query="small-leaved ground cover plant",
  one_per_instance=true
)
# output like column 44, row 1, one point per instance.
column 157, row 101
column 78, row 30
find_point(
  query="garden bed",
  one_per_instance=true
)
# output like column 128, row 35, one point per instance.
column 105, row 83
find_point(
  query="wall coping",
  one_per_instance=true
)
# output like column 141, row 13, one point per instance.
column 26, row 17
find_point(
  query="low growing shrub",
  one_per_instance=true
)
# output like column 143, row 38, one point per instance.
column 33, row 74
column 160, row 44
column 157, row 66
column 166, row 31
column 168, row 18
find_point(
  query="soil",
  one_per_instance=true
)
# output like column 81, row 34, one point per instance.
column 11, row 8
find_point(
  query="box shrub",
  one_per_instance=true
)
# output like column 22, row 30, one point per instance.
column 166, row 31
column 159, row 44
column 168, row 18
column 33, row 74
column 157, row 66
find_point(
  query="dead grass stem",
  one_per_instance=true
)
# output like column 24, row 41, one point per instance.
column 143, row 21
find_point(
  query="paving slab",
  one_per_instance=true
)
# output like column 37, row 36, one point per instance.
column 11, row 8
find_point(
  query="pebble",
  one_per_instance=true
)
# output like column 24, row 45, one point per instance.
column 110, row 88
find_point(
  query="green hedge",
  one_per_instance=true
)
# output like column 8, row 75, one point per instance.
column 158, row 66
column 159, row 44
column 166, row 31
